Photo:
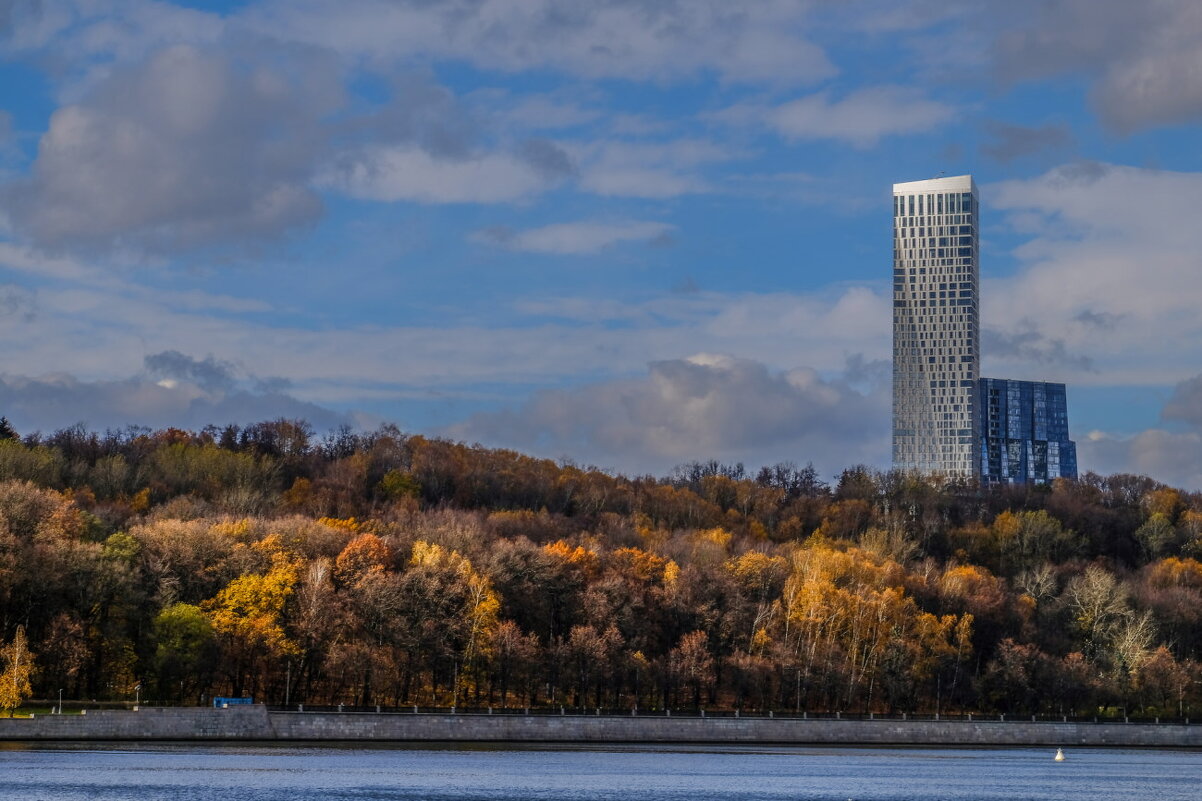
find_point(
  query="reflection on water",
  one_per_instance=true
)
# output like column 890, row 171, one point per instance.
column 507, row 773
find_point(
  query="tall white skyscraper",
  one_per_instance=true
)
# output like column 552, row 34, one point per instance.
column 936, row 328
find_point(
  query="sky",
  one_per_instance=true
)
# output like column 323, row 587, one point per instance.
column 627, row 233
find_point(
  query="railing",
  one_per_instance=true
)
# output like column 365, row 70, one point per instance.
column 543, row 711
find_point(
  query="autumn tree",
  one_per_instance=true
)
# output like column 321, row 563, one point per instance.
column 184, row 651
column 448, row 573
column 362, row 555
column 693, row 664
column 247, row 617
column 455, row 605
column 1099, row 603
column 1164, row 682
column 18, row 669
column 513, row 655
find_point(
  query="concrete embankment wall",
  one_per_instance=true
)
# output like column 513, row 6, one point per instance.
column 240, row 723
column 255, row 723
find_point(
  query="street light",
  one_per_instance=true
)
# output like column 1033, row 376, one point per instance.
column 138, row 689
column 60, row 700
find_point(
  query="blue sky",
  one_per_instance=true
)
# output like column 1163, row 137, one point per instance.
column 628, row 233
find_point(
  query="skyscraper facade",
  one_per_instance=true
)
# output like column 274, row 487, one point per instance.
column 1024, row 432
column 936, row 356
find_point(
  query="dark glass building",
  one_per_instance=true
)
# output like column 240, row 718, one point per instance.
column 1024, row 432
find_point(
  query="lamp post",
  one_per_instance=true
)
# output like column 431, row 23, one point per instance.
column 138, row 698
column 60, row 700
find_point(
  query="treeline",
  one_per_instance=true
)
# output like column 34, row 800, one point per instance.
column 390, row 569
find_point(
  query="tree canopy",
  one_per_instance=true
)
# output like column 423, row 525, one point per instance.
column 383, row 568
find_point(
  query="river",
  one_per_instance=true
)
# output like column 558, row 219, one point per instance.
column 613, row 773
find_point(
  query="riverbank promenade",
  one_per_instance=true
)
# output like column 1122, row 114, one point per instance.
column 259, row 723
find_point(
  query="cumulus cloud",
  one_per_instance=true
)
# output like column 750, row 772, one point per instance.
column 1142, row 59
column 1108, row 268
column 705, row 406
column 576, row 238
column 638, row 39
column 190, row 147
column 411, row 174
column 861, row 118
column 225, row 138
column 210, row 374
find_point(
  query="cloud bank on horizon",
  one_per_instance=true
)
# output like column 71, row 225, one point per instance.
column 628, row 232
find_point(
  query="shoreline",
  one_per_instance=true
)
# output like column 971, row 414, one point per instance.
column 258, row 724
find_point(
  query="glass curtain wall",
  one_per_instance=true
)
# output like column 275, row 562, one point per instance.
column 936, row 329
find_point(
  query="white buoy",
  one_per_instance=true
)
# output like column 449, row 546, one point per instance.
column 1059, row 755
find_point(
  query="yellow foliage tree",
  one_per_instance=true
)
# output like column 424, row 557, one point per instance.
column 1164, row 501
column 842, row 610
column 18, row 670
column 348, row 524
column 1174, row 572
column 481, row 606
column 641, row 564
column 580, row 557
column 248, row 618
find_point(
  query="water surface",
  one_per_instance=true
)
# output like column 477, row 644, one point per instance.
column 507, row 773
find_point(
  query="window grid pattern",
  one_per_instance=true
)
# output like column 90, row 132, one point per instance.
column 1024, row 432
column 936, row 328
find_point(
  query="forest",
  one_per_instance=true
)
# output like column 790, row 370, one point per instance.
column 397, row 570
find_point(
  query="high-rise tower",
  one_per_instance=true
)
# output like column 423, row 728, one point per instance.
column 936, row 342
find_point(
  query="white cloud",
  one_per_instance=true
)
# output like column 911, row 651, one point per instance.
column 862, row 117
column 1142, row 59
column 93, row 323
column 222, row 139
column 82, row 33
column 412, row 174
column 1107, row 295
column 706, row 406
column 1108, row 277
column 183, row 150
column 575, row 238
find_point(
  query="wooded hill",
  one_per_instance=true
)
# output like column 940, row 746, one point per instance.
column 391, row 569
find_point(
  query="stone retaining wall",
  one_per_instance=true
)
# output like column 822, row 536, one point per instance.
column 250, row 723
